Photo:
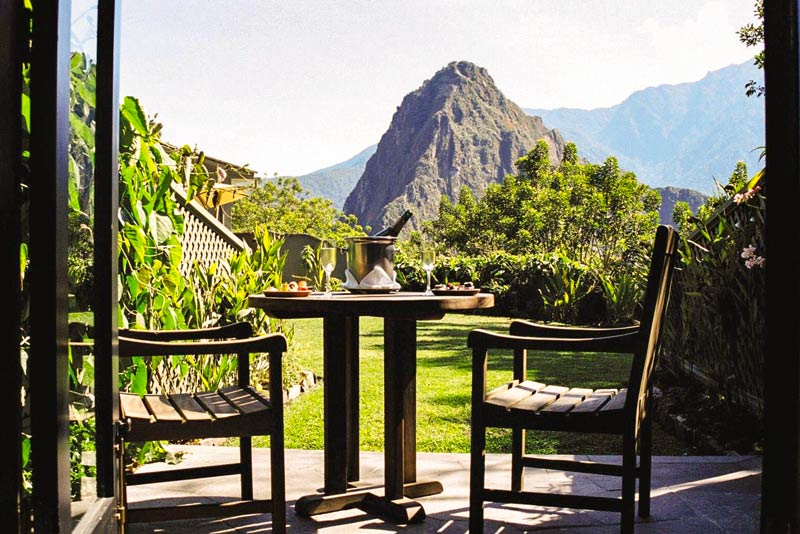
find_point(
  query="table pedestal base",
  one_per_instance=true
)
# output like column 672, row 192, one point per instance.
column 423, row 488
column 399, row 511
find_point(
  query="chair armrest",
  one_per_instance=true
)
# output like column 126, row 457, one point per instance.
column 526, row 328
column 240, row 330
column 621, row 343
column 271, row 343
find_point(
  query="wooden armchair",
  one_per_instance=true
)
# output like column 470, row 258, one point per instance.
column 233, row 411
column 524, row 404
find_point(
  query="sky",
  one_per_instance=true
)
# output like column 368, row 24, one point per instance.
column 291, row 86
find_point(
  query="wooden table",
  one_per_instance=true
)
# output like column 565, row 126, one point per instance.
column 340, row 313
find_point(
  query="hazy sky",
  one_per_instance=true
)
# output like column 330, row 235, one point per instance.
column 291, row 86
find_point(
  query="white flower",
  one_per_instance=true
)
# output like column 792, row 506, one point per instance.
column 751, row 259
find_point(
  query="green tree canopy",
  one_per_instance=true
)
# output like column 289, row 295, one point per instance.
column 284, row 207
column 587, row 212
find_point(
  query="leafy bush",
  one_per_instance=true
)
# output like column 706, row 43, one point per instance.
column 81, row 440
column 80, row 259
column 560, row 243
column 621, row 296
column 540, row 287
column 589, row 213
column 717, row 315
column 222, row 293
column 283, row 206
column 155, row 293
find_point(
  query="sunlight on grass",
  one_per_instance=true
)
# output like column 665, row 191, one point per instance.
column 443, row 389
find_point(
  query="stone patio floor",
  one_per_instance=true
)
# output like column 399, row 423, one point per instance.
column 697, row 494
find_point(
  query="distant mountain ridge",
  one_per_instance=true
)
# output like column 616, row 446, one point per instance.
column 676, row 138
column 337, row 181
column 457, row 130
column 684, row 135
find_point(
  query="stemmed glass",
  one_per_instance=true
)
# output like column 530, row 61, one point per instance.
column 327, row 258
column 428, row 260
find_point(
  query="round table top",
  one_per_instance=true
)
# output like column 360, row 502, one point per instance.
column 400, row 304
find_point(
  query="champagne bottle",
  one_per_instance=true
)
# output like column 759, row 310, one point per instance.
column 394, row 230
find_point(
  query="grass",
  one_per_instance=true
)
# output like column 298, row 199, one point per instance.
column 443, row 390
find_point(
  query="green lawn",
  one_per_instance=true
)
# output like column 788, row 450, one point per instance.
column 443, row 389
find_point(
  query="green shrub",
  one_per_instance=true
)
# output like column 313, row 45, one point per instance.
column 220, row 296
column 154, row 293
column 538, row 287
column 81, row 440
column 716, row 322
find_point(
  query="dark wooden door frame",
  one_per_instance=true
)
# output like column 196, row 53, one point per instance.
column 47, row 275
column 105, row 244
column 102, row 516
column 10, row 146
column 779, row 497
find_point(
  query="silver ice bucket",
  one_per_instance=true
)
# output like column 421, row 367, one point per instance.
column 370, row 256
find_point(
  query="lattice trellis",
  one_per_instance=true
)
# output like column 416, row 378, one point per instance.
column 205, row 239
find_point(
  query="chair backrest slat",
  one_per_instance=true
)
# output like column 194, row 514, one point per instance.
column 654, row 308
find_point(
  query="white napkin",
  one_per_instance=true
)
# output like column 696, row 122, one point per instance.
column 377, row 278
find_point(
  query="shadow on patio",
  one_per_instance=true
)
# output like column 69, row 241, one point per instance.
column 703, row 494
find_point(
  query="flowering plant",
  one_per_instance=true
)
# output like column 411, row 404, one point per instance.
column 717, row 313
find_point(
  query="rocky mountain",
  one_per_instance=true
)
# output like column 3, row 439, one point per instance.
column 456, row 130
column 671, row 195
column 684, row 135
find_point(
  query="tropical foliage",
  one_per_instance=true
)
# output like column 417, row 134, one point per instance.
column 565, row 243
column 156, row 289
column 156, row 293
column 589, row 213
column 717, row 322
column 283, row 207
column 717, row 314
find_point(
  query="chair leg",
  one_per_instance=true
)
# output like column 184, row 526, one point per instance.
column 278, row 480
column 477, row 468
column 246, row 459
column 122, row 488
column 628, row 484
column 645, row 465
column 517, row 452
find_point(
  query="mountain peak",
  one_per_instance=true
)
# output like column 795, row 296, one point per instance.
column 462, row 69
column 461, row 78
column 457, row 129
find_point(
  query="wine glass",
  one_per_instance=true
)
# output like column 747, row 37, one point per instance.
column 327, row 258
column 428, row 260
